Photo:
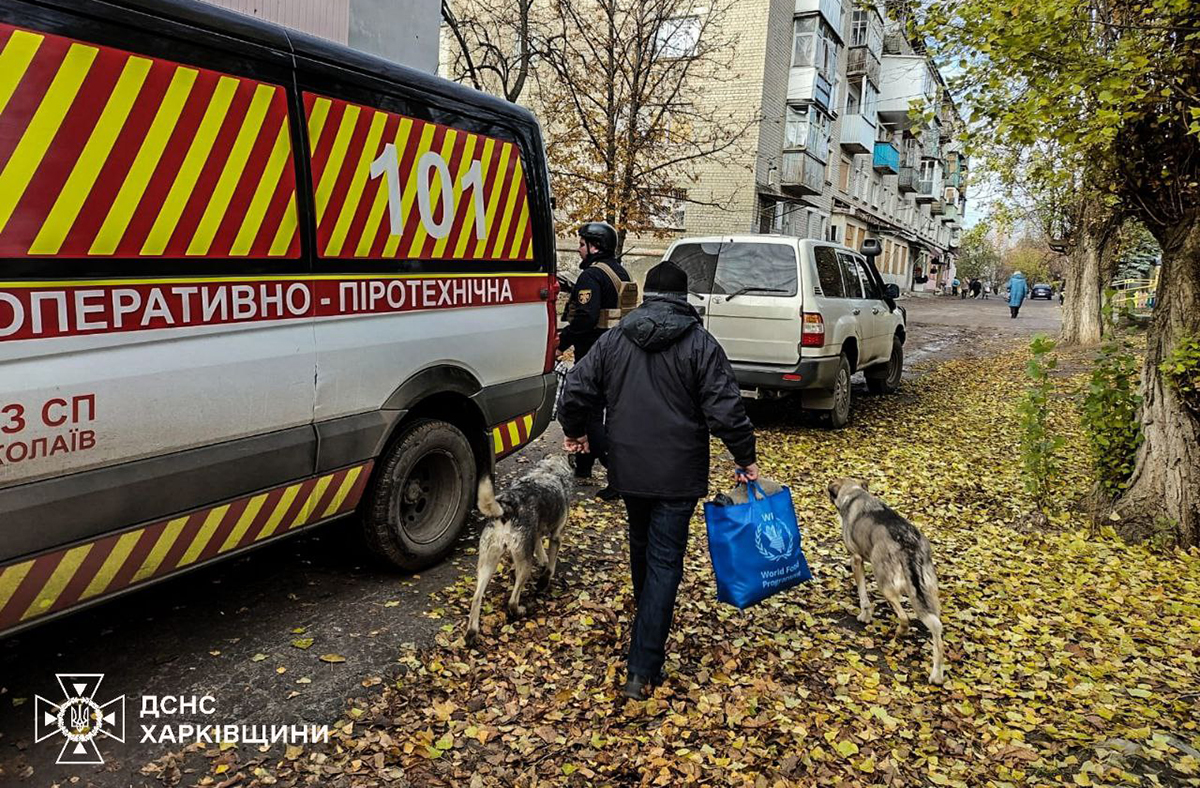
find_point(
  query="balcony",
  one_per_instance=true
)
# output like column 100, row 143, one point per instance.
column 929, row 191
column 807, row 84
column 801, row 174
column 832, row 11
column 904, row 80
column 857, row 134
column 906, row 182
column 886, row 159
column 937, row 208
column 861, row 62
column 955, row 179
column 950, row 214
column 931, row 147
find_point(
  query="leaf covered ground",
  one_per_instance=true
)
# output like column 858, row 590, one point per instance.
column 1072, row 657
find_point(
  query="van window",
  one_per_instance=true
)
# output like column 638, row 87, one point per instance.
column 850, row 276
column 771, row 267
column 388, row 186
column 182, row 163
column 829, row 272
column 700, row 263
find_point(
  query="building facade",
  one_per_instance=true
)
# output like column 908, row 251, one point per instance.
column 857, row 138
column 402, row 31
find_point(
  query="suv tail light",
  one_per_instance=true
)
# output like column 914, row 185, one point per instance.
column 551, row 295
column 812, row 331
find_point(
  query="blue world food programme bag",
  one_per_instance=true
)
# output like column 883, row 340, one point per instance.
column 755, row 547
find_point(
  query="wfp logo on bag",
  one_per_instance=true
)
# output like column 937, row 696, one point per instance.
column 773, row 541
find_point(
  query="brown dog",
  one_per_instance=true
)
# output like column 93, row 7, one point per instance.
column 899, row 555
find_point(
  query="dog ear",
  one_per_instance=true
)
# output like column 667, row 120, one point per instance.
column 833, row 489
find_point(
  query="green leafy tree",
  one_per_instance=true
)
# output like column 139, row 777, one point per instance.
column 978, row 257
column 1116, row 84
column 1110, row 410
column 1039, row 444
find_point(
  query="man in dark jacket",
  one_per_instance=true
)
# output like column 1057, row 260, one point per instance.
column 594, row 291
column 667, row 384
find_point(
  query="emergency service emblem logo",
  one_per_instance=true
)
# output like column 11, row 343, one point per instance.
column 584, row 297
column 80, row 719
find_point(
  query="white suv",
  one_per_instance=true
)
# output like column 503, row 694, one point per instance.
column 797, row 315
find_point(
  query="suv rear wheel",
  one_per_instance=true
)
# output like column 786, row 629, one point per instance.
column 885, row 378
column 839, row 414
column 424, row 492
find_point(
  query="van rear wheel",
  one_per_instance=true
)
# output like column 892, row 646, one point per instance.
column 885, row 378
column 422, row 496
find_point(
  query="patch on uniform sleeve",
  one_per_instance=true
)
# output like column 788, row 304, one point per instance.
column 583, row 297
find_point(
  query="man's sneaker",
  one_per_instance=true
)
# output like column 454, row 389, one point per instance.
column 608, row 494
column 636, row 687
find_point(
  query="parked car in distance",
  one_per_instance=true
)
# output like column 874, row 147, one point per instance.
column 1042, row 291
column 796, row 316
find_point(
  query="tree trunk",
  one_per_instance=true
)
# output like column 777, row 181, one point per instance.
column 1081, row 307
column 1082, row 322
column 1165, row 488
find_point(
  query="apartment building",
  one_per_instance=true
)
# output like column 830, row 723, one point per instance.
column 842, row 153
column 852, row 135
column 403, row 31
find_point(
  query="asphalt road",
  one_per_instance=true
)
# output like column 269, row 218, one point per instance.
column 228, row 630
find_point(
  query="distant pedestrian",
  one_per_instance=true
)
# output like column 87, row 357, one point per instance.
column 954, row 286
column 1017, row 290
column 987, row 290
column 976, row 288
column 667, row 384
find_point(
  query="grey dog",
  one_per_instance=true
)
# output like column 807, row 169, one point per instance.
column 533, row 508
column 900, row 557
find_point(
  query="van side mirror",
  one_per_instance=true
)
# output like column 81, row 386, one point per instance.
column 871, row 248
column 892, row 291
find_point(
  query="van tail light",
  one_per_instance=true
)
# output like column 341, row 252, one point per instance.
column 812, row 332
column 551, row 296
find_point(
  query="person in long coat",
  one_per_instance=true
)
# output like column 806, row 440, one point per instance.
column 1018, row 288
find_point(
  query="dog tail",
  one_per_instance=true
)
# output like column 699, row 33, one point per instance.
column 488, row 505
column 924, row 579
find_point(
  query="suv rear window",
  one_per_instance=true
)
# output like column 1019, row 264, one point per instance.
column 700, row 263
column 726, row 268
column 749, row 266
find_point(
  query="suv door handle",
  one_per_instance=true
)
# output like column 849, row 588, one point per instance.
column 874, row 310
column 856, row 311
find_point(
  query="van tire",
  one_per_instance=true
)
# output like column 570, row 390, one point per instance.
column 839, row 414
column 422, row 495
column 885, row 378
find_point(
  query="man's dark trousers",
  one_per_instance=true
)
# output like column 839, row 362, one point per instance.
column 658, row 535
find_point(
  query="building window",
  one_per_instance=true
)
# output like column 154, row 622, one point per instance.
column 875, row 191
column 814, row 44
column 844, row 175
column 671, row 213
column 866, row 31
column 807, row 128
column 678, row 38
column 853, row 101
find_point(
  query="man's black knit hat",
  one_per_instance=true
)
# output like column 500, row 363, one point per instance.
column 666, row 278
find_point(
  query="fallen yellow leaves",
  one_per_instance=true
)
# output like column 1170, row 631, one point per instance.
column 1072, row 657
